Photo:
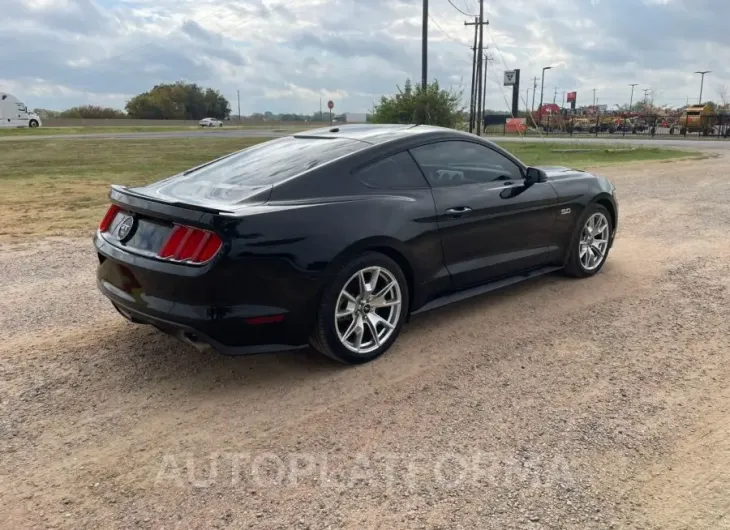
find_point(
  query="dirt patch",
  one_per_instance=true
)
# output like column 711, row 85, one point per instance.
column 558, row 403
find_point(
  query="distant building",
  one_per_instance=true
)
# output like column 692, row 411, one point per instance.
column 355, row 117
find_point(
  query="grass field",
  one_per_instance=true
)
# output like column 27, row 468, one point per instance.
column 60, row 186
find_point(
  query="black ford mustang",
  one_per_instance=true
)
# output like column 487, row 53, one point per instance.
column 334, row 236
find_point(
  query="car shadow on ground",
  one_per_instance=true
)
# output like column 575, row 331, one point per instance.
column 135, row 356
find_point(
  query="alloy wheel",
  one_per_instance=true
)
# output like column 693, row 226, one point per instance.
column 367, row 310
column 594, row 241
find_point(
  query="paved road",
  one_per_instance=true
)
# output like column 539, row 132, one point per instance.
column 203, row 133
column 275, row 133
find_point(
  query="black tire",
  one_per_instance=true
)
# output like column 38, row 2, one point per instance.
column 33, row 124
column 324, row 335
column 574, row 267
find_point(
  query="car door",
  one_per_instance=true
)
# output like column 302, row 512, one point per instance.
column 492, row 224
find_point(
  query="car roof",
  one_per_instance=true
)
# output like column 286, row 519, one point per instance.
column 376, row 133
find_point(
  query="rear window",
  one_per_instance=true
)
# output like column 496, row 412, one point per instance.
column 233, row 178
column 273, row 161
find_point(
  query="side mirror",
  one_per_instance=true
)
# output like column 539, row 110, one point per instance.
column 534, row 175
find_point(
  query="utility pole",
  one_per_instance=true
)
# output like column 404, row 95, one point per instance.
column 555, row 95
column 534, row 91
column 475, row 110
column 238, row 95
column 472, row 106
column 702, row 83
column 480, row 114
column 424, row 47
column 527, row 99
column 646, row 91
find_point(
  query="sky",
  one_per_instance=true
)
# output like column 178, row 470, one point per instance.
column 286, row 55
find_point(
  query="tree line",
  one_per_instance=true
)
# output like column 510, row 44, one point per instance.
column 174, row 101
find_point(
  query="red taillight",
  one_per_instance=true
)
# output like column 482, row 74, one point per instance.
column 190, row 244
column 109, row 216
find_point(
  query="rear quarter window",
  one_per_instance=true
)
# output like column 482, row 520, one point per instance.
column 398, row 171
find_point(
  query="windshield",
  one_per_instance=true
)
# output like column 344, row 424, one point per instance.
column 233, row 178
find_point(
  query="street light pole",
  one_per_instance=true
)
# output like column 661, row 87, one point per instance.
column 542, row 85
column 702, row 82
column 631, row 101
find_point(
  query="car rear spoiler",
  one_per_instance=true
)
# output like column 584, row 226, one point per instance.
column 144, row 203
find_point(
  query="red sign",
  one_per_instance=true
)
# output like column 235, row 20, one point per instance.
column 330, row 104
column 515, row 125
column 571, row 97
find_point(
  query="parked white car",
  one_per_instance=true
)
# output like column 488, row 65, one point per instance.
column 14, row 113
column 210, row 122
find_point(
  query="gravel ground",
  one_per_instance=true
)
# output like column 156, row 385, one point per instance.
column 599, row 403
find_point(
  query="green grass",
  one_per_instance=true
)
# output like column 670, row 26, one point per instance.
column 581, row 155
column 60, row 186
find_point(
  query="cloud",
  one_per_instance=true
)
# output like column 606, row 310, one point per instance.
column 283, row 55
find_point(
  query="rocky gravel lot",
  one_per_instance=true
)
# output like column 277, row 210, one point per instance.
column 599, row 403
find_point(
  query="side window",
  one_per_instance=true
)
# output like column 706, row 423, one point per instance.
column 398, row 171
column 456, row 163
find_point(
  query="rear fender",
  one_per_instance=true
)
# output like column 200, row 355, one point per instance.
column 391, row 247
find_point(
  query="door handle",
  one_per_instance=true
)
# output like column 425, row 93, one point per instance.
column 458, row 211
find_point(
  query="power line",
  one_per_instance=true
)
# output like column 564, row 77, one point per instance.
column 504, row 62
column 491, row 37
column 461, row 10
column 445, row 33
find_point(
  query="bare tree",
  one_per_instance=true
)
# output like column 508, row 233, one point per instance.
column 722, row 94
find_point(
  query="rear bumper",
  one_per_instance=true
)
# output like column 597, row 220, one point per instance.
column 204, row 312
column 196, row 338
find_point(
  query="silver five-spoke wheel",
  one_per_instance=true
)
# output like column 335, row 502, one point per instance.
column 367, row 309
column 594, row 241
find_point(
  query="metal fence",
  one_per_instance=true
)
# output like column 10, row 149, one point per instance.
column 615, row 124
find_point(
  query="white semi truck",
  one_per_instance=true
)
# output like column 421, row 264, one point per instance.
column 14, row 113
